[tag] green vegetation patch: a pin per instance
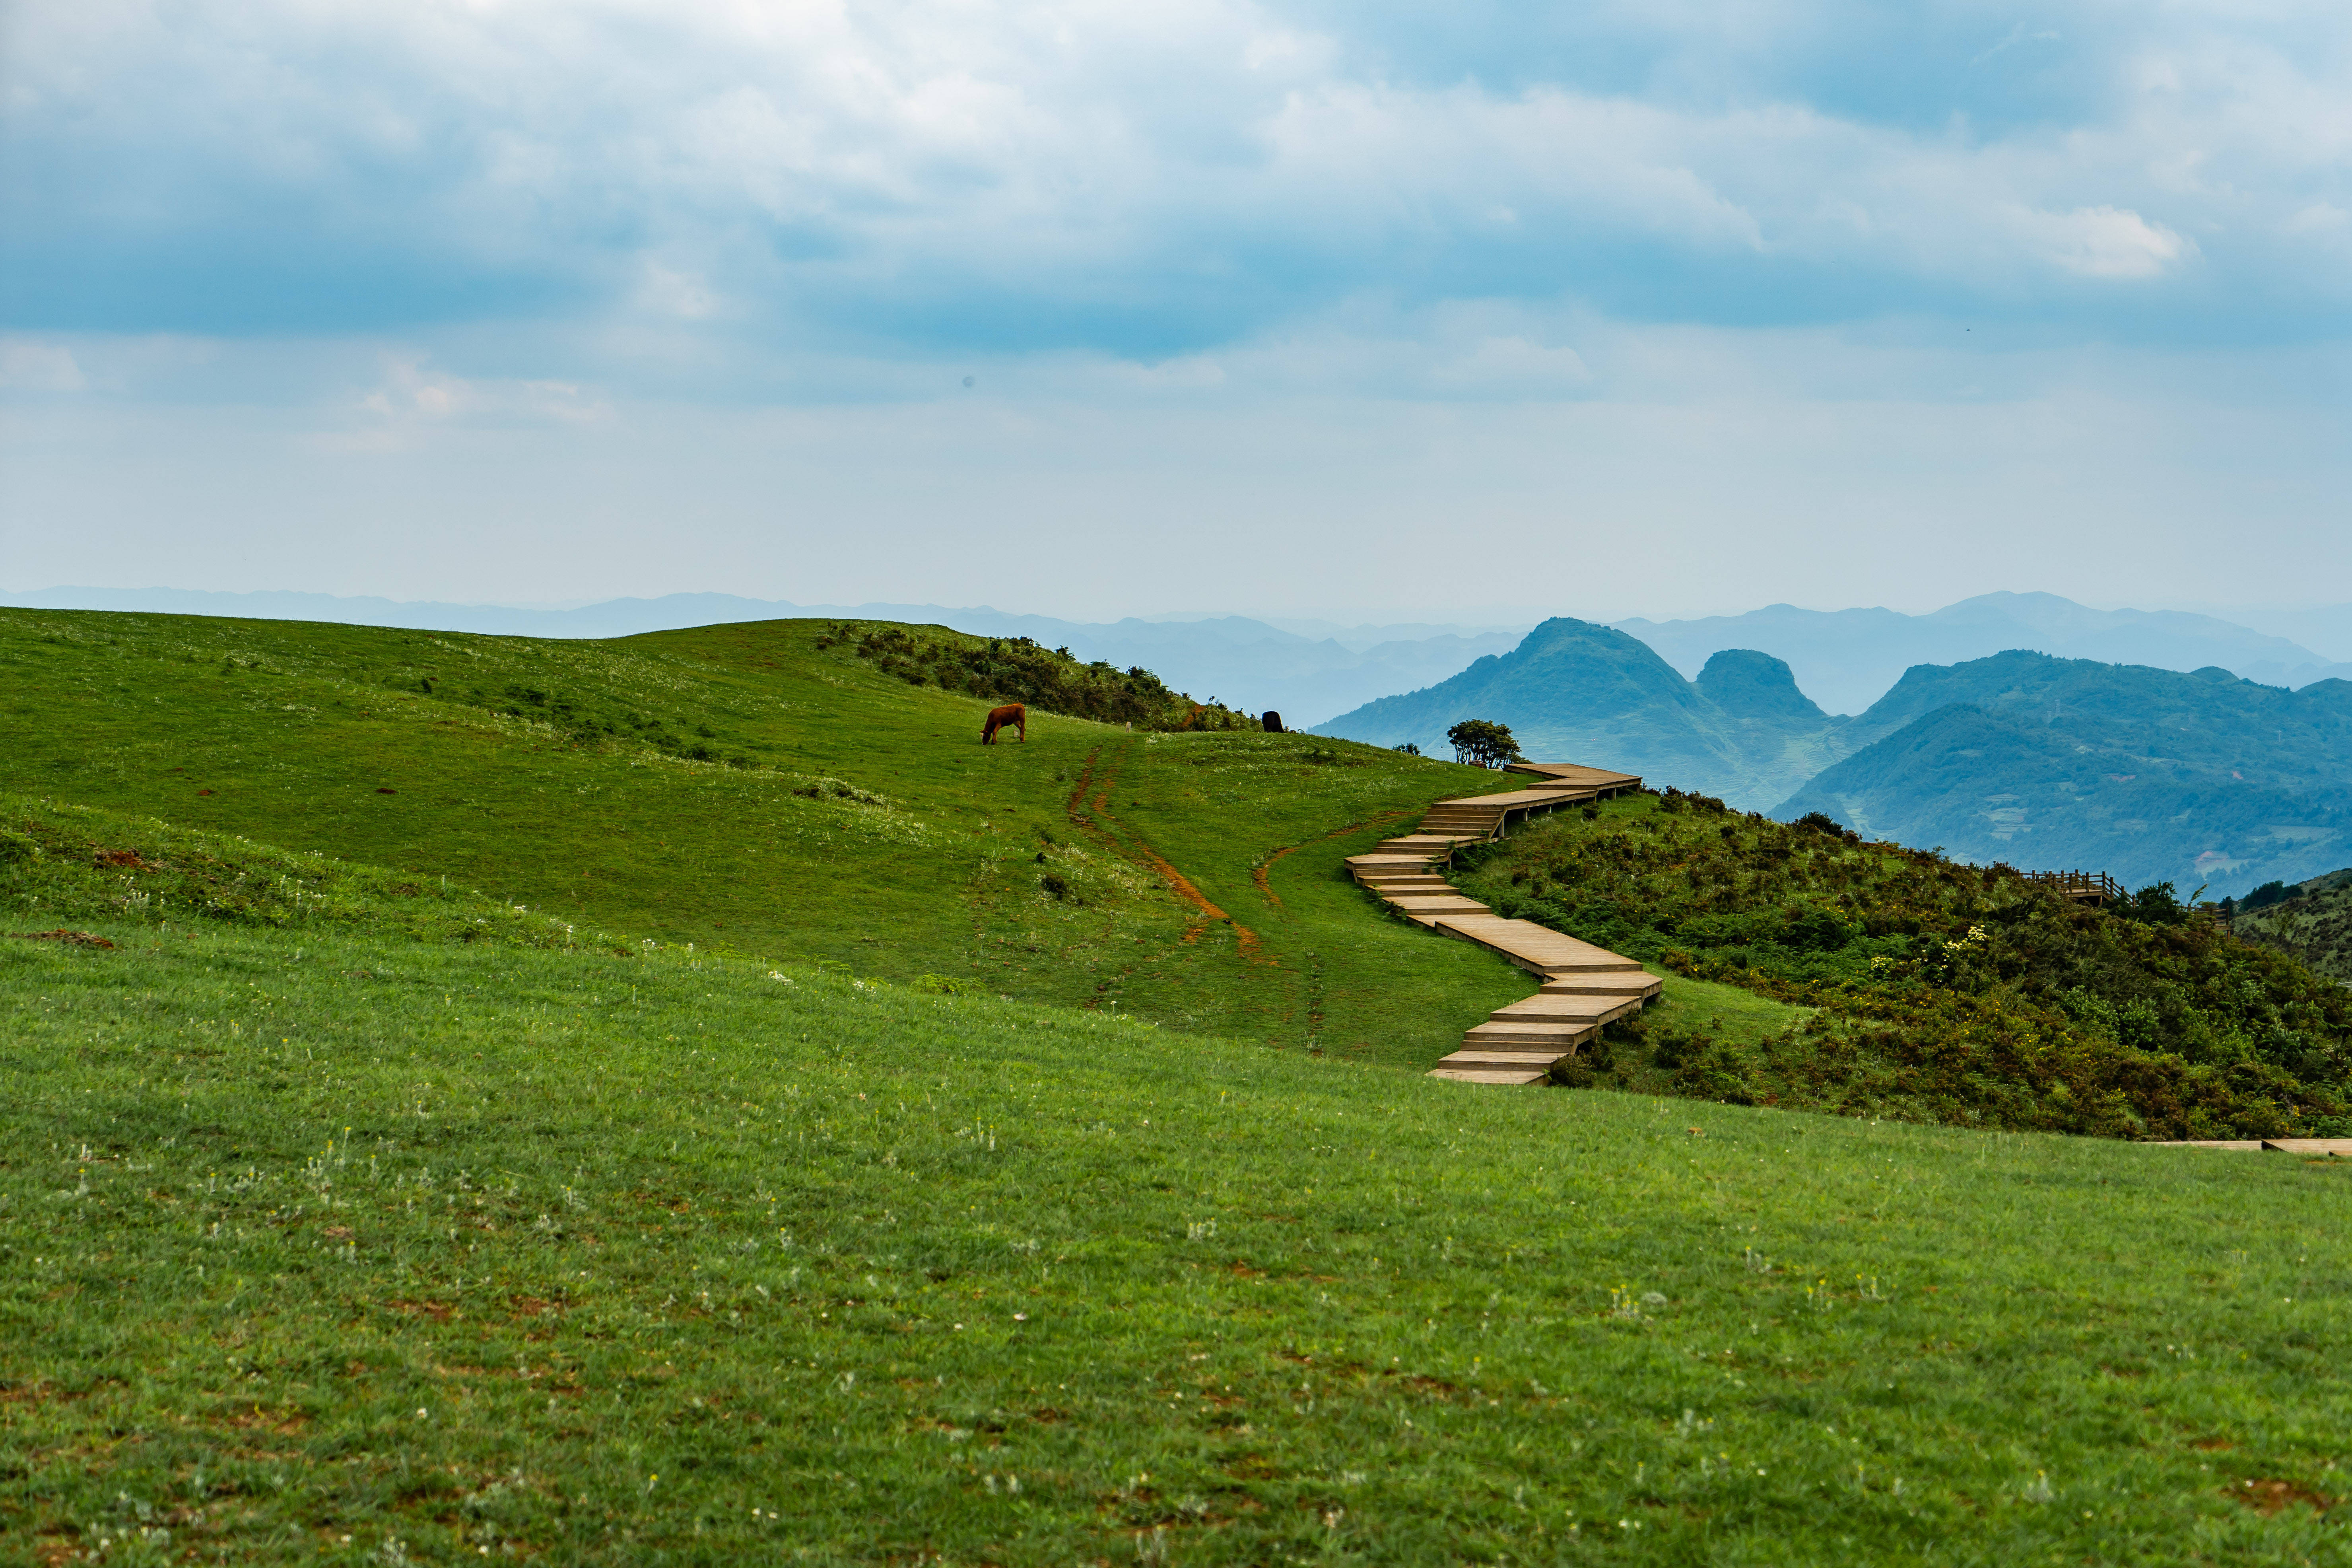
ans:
(2311, 922)
(1018, 669)
(65, 863)
(1941, 992)
(325, 1248)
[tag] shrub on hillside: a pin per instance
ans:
(1945, 992)
(1018, 669)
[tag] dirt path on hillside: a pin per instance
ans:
(1089, 810)
(1262, 872)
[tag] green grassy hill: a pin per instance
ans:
(836, 812)
(341, 1239)
(592, 1152)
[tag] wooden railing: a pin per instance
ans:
(2084, 886)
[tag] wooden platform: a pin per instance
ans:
(1574, 776)
(1546, 1007)
(1360, 864)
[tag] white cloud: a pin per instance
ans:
(30, 365)
(864, 166)
(1514, 367)
(411, 398)
(2105, 242)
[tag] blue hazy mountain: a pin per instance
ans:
(1577, 692)
(1846, 659)
(2148, 774)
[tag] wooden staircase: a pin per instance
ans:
(1583, 987)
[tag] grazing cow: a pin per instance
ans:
(1011, 716)
(1272, 723)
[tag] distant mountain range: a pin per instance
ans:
(1249, 664)
(1576, 692)
(2048, 763)
(2141, 752)
(1846, 659)
(2057, 763)
(1311, 671)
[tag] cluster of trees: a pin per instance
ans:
(1483, 743)
(1020, 670)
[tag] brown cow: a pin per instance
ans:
(1011, 716)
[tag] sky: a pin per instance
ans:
(1089, 310)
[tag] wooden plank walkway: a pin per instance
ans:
(1583, 987)
(2339, 1148)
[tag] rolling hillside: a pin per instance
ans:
(1304, 670)
(744, 790)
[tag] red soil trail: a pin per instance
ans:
(1095, 817)
(1260, 872)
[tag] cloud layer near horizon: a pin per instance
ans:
(380, 226)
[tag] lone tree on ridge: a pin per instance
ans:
(1484, 743)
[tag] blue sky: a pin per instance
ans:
(1096, 309)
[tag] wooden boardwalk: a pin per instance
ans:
(1583, 987)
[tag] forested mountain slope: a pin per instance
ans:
(2199, 779)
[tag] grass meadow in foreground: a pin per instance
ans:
(323, 1247)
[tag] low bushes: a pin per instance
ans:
(1946, 992)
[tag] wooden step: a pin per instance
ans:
(1581, 1010)
(1511, 800)
(1415, 863)
(1564, 1034)
(1500, 1060)
(1537, 948)
(1434, 903)
(1510, 1078)
(1618, 984)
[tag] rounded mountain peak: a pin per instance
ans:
(1748, 683)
